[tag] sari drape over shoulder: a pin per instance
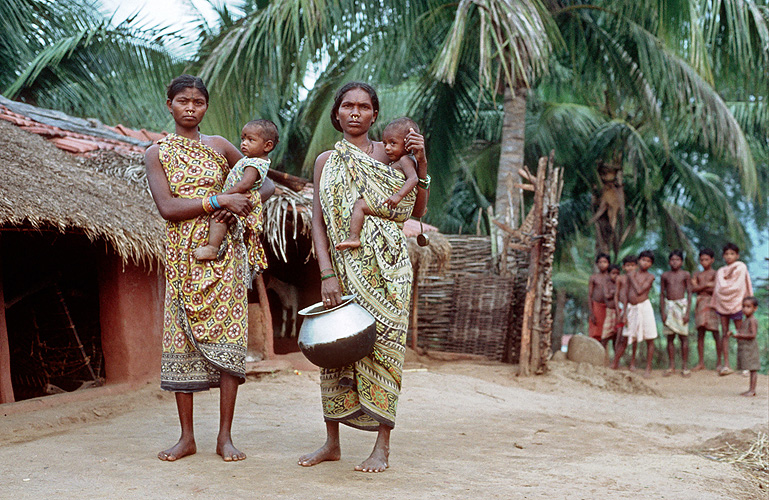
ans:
(732, 286)
(205, 319)
(379, 274)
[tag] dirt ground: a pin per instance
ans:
(465, 430)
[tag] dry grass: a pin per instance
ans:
(751, 455)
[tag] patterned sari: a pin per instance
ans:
(205, 320)
(379, 273)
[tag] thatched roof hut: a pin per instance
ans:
(42, 187)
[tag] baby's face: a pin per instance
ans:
(252, 144)
(394, 143)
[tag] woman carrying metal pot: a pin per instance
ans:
(365, 394)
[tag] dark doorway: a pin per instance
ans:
(51, 293)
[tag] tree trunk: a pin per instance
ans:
(559, 320)
(507, 206)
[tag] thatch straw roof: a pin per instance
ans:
(43, 187)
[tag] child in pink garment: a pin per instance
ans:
(732, 287)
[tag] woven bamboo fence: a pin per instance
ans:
(497, 307)
(466, 308)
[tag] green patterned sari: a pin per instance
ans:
(379, 273)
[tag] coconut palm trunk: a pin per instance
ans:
(508, 199)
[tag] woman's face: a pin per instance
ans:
(188, 107)
(356, 112)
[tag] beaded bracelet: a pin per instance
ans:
(424, 183)
(327, 276)
(207, 205)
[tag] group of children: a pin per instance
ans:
(621, 312)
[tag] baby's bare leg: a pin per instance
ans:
(216, 233)
(359, 212)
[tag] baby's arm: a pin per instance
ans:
(408, 167)
(244, 185)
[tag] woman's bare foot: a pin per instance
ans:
(348, 243)
(377, 462)
(207, 252)
(180, 450)
(228, 452)
(647, 373)
(326, 453)
(748, 393)
(698, 367)
(632, 367)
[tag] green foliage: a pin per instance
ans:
(68, 57)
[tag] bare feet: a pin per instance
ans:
(377, 462)
(725, 371)
(207, 252)
(228, 452)
(686, 373)
(748, 393)
(348, 243)
(647, 373)
(326, 453)
(698, 367)
(177, 451)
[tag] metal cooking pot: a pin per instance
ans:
(336, 337)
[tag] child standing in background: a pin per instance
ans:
(596, 291)
(705, 317)
(609, 332)
(732, 287)
(629, 265)
(747, 344)
(675, 302)
(639, 313)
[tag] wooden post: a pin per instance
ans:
(6, 388)
(264, 305)
(529, 331)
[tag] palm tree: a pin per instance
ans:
(68, 56)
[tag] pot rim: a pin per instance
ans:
(318, 308)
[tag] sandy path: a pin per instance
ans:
(464, 430)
